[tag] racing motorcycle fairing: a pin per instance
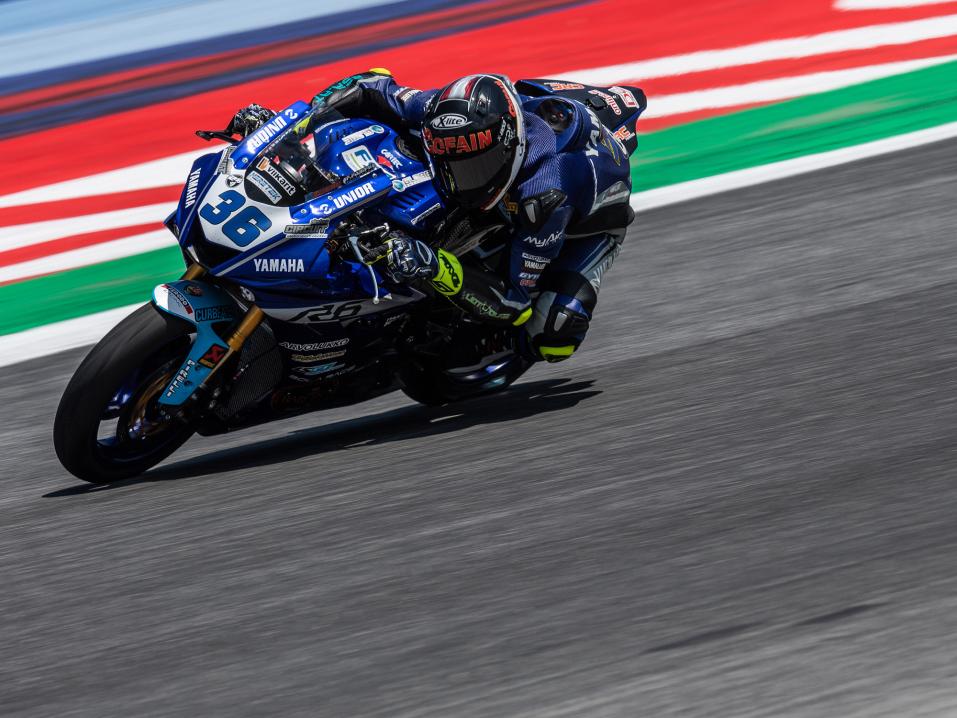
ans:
(264, 243)
(209, 309)
(286, 247)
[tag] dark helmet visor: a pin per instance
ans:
(478, 171)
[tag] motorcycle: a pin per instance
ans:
(278, 312)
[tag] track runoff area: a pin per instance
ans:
(731, 104)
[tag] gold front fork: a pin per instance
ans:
(247, 326)
(194, 271)
(243, 330)
(241, 333)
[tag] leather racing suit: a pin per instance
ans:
(566, 212)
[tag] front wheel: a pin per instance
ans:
(108, 425)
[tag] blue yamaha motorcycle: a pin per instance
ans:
(278, 313)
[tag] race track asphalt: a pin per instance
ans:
(740, 499)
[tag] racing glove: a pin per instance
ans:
(406, 258)
(249, 119)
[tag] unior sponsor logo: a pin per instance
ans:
(538, 266)
(279, 265)
(353, 195)
(268, 131)
(448, 121)
(331, 344)
(535, 257)
(192, 187)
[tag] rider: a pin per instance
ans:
(543, 162)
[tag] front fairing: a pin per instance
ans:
(278, 252)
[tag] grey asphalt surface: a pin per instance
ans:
(738, 500)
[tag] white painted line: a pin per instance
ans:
(665, 105)
(58, 337)
(61, 336)
(23, 235)
(862, 38)
(172, 170)
(103, 252)
(156, 173)
(695, 189)
(784, 88)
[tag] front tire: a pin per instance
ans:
(121, 379)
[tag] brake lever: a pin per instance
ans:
(217, 135)
(361, 256)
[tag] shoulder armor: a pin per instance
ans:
(535, 211)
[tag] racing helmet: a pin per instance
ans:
(474, 138)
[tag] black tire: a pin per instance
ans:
(146, 341)
(423, 385)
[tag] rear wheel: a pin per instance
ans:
(476, 360)
(109, 425)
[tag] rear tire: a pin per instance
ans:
(423, 385)
(142, 347)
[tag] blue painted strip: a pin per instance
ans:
(321, 25)
(34, 120)
(38, 36)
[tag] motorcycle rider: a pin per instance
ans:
(543, 162)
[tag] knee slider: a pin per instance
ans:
(561, 317)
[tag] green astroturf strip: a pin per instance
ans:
(87, 290)
(808, 125)
(818, 123)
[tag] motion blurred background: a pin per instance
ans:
(99, 100)
(736, 500)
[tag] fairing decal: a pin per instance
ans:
(202, 305)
